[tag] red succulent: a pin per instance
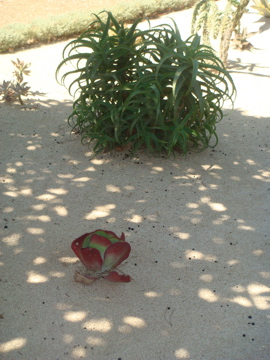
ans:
(101, 251)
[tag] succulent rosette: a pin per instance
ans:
(101, 251)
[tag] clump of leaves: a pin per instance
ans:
(240, 41)
(262, 6)
(144, 88)
(101, 251)
(13, 90)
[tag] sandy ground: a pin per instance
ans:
(198, 227)
(25, 11)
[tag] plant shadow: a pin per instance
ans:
(266, 24)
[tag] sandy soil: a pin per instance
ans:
(198, 228)
(13, 11)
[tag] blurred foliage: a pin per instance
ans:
(262, 6)
(213, 23)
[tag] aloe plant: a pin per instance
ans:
(101, 251)
(262, 6)
(144, 88)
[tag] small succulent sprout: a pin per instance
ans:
(13, 90)
(101, 251)
(21, 68)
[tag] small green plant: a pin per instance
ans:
(144, 88)
(262, 6)
(13, 90)
(215, 24)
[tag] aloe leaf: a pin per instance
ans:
(114, 21)
(132, 29)
(115, 254)
(198, 92)
(195, 41)
(106, 28)
(179, 79)
(263, 11)
(194, 75)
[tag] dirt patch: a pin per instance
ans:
(25, 11)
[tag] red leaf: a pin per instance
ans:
(110, 235)
(84, 279)
(122, 237)
(115, 254)
(89, 257)
(100, 243)
(92, 259)
(76, 245)
(115, 277)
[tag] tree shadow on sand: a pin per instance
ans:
(197, 227)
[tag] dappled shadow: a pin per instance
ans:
(235, 66)
(266, 24)
(197, 227)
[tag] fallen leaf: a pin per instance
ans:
(83, 279)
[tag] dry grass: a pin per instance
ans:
(58, 27)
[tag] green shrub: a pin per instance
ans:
(144, 88)
(13, 36)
